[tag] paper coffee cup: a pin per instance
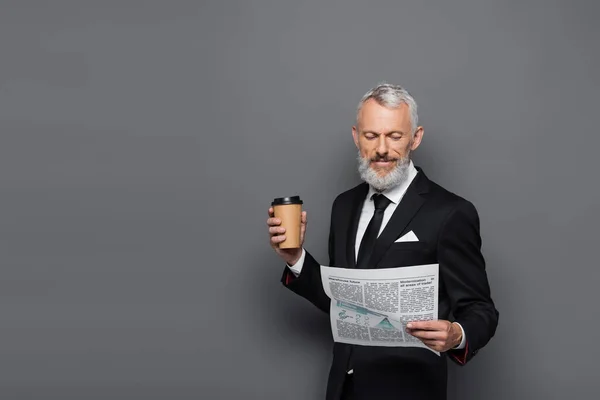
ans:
(289, 210)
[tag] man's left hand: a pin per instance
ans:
(439, 335)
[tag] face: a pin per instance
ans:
(383, 137)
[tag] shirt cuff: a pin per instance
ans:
(297, 267)
(463, 341)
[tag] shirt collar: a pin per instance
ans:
(395, 194)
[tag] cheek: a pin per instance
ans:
(402, 149)
(365, 148)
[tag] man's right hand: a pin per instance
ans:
(277, 234)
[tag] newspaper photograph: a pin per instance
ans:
(371, 307)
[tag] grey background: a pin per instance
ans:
(141, 144)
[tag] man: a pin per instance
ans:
(398, 199)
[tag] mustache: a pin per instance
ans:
(382, 158)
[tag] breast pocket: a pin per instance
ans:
(405, 254)
(404, 246)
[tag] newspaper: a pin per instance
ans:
(371, 307)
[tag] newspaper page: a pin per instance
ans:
(371, 307)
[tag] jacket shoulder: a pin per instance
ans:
(448, 199)
(350, 194)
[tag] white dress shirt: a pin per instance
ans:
(395, 194)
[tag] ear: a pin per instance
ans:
(416, 141)
(355, 136)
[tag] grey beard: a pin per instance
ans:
(395, 177)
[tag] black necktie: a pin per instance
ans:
(367, 243)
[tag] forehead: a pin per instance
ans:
(376, 117)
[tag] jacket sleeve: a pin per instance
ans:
(462, 268)
(308, 283)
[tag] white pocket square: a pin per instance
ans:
(409, 237)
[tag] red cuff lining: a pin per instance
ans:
(461, 358)
(289, 277)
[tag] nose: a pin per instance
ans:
(382, 146)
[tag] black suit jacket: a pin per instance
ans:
(448, 230)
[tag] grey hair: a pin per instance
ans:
(391, 96)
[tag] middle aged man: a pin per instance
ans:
(397, 199)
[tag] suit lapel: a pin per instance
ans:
(409, 205)
(355, 211)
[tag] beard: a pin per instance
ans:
(393, 178)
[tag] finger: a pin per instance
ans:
(427, 325)
(428, 335)
(273, 221)
(303, 226)
(271, 212)
(277, 239)
(276, 230)
(433, 344)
